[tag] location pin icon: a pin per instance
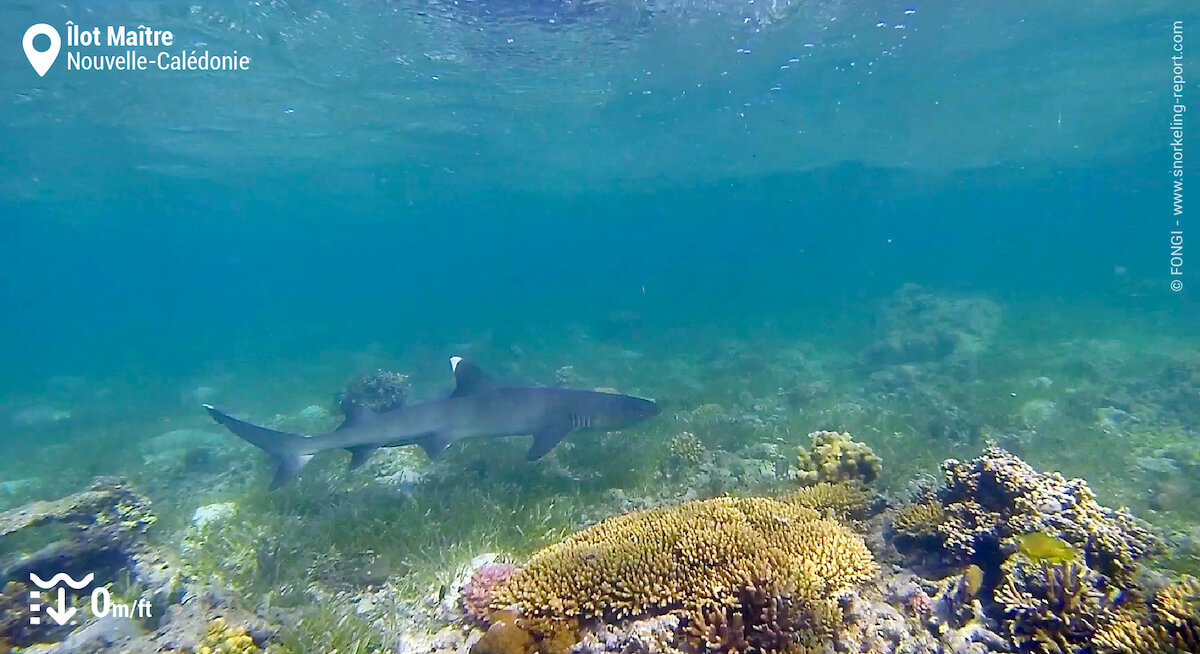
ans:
(41, 61)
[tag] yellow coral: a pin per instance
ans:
(224, 638)
(685, 558)
(765, 618)
(1179, 603)
(1050, 607)
(837, 457)
(1123, 633)
(685, 447)
(920, 520)
(842, 500)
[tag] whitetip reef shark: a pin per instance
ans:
(477, 408)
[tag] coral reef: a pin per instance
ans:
(1169, 623)
(382, 390)
(837, 457)
(988, 503)
(1049, 606)
(763, 616)
(1045, 561)
(689, 558)
(104, 529)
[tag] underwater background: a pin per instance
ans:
(931, 225)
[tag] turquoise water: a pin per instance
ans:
(710, 203)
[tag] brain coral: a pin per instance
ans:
(837, 457)
(688, 558)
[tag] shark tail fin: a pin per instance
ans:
(283, 447)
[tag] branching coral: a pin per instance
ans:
(1059, 566)
(837, 457)
(765, 616)
(688, 558)
(1051, 607)
(841, 501)
(920, 521)
(1168, 624)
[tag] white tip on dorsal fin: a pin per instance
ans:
(454, 361)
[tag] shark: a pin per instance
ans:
(478, 408)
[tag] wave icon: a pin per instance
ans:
(61, 577)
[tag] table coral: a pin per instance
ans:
(693, 558)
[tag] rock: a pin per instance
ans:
(213, 514)
(314, 412)
(107, 634)
(1037, 412)
(1113, 420)
(41, 414)
(185, 450)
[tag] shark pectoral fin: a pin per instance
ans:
(434, 444)
(545, 440)
(288, 468)
(360, 454)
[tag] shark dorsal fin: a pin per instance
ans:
(355, 413)
(468, 378)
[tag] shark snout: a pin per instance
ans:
(632, 410)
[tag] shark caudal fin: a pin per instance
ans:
(283, 447)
